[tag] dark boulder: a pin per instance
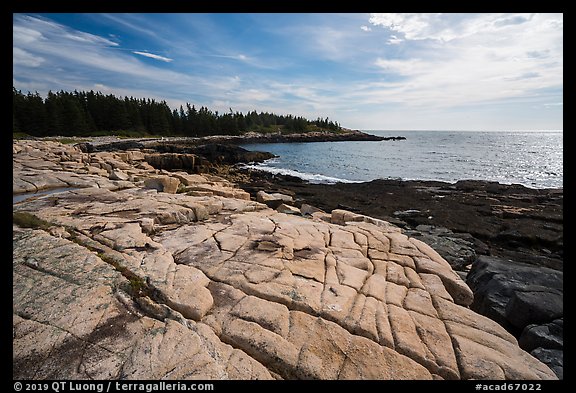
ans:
(495, 282)
(549, 335)
(457, 248)
(85, 147)
(527, 300)
(230, 154)
(538, 306)
(553, 358)
(117, 146)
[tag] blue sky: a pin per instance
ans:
(366, 71)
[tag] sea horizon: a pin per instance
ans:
(459, 130)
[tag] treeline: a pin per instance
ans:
(93, 113)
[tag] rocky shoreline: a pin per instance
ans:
(505, 241)
(109, 143)
(149, 273)
(509, 221)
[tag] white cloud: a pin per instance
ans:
(22, 35)
(402, 66)
(326, 41)
(432, 65)
(122, 19)
(68, 64)
(393, 40)
(252, 95)
(21, 57)
(476, 58)
(153, 56)
(446, 27)
(412, 26)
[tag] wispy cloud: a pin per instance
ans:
(239, 57)
(445, 27)
(393, 40)
(153, 56)
(23, 58)
(354, 68)
(65, 64)
(131, 22)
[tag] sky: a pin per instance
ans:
(426, 71)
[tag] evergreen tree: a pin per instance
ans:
(77, 113)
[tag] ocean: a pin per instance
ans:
(533, 159)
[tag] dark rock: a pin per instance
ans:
(346, 207)
(85, 147)
(351, 135)
(473, 185)
(496, 281)
(507, 221)
(553, 358)
(524, 255)
(288, 178)
(457, 249)
(215, 153)
(527, 307)
(549, 335)
(118, 146)
(230, 154)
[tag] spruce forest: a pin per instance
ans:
(93, 113)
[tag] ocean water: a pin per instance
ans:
(533, 159)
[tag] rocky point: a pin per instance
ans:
(134, 272)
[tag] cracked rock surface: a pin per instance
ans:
(125, 281)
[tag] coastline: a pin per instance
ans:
(504, 241)
(505, 220)
(113, 142)
(509, 221)
(191, 257)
